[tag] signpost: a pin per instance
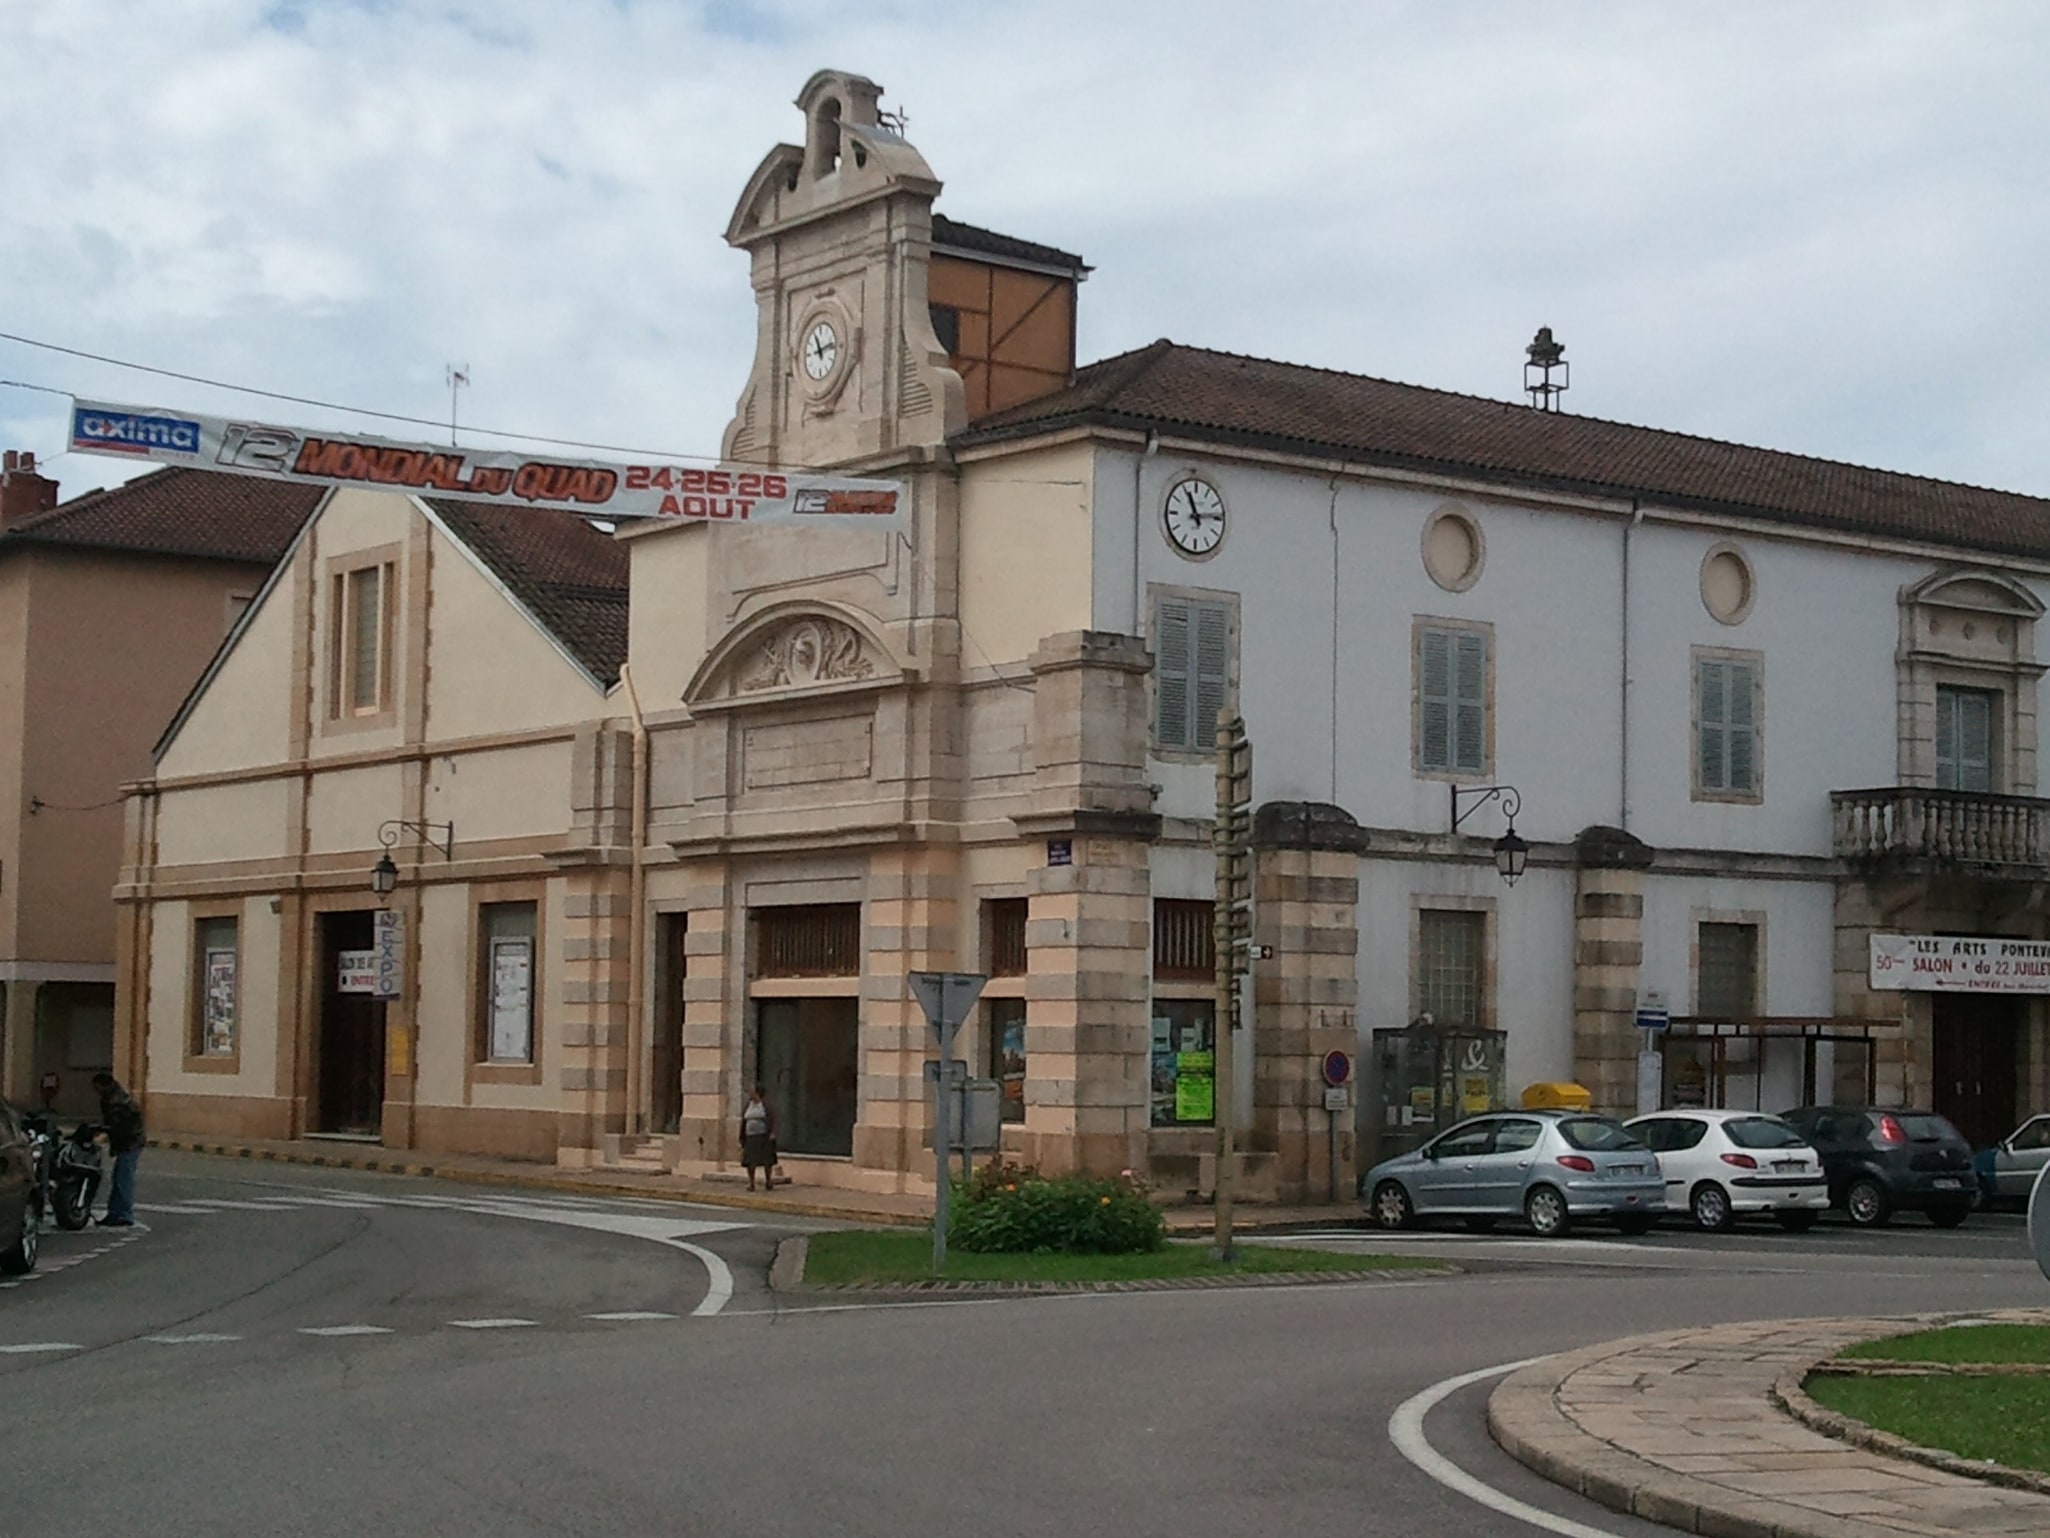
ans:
(1337, 1071)
(1652, 1017)
(946, 998)
(1231, 839)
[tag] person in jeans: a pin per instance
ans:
(122, 1118)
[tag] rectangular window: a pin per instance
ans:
(217, 958)
(507, 933)
(1005, 1019)
(359, 669)
(1449, 965)
(1191, 672)
(1184, 1085)
(1006, 919)
(808, 940)
(1726, 729)
(1452, 700)
(1184, 940)
(1964, 738)
(1726, 987)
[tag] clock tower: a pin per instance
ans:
(847, 366)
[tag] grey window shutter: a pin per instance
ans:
(1741, 697)
(1171, 675)
(1974, 740)
(1947, 710)
(1213, 670)
(1711, 688)
(1434, 699)
(1470, 681)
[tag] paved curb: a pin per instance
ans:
(1790, 1396)
(786, 1271)
(538, 1182)
(786, 1274)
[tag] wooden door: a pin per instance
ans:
(665, 1071)
(350, 1096)
(1972, 1063)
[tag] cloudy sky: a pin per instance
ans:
(1815, 226)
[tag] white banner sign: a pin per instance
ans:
(388, 946)
(1947, 964)
(358, 972)
(734, 495)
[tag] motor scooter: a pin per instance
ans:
(69, 1168)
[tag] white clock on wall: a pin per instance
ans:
(821, 350)
(1194, 517)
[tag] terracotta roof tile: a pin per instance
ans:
(570, 575)
(178, 512)
(1253, 402)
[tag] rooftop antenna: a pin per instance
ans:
(894, 121)
(1545, 356)
(458, 376)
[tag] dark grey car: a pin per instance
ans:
(1881, 1160)
(21, 1213)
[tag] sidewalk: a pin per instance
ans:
(862, 1208)
(1687, 1429)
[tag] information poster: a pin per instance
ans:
(218, 1034)
(1195, 1086)
(388, 943)
(512, 1000)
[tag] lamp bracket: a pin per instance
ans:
(436, 835)
(1508, 795)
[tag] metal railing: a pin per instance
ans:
(1953, 827)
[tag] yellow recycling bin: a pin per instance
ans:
(1557, 1097)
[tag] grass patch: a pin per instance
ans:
(2004, 1419)
(1963, 1343)
(859, 1255)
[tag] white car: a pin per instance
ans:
(1723, 1165)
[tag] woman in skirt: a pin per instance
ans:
(758, 1140)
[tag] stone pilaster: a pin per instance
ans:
(594, 1013)
(1608, 956)
(714, 1021)
(911, 928)
(1306, 906)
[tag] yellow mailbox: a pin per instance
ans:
(1557, 1097)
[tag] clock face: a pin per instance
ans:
(1195, 516)
(821, 350)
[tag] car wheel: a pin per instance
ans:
(1710, 1205)
(19, 1258)
(1634, 1225)
(1545, 1210)
(1795, 1222)
(1482, 1225)
(1392, 1206)
(1948, 1217)
(1867, 1205)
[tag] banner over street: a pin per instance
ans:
(740, 496)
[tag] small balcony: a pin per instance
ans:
(1942, 829)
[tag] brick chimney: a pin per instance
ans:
(22, 490)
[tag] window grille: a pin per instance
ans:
(1184, 944)
(1006, 936)
(808, 940)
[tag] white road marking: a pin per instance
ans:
(719, 1280)
(1406, 1431)
(201, 1339)
(492, 1324)
(345, 1329)
(629, 1316)
(185, 1208)
(39, 1345)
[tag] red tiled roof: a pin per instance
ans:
(572, 577)
(1252, 402)
(204, 514)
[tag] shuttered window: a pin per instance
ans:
(1726, 737)
(1452, 701)
(1726, 986)
(1964, 738)
(1191, 672)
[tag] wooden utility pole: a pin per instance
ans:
(1232, 840)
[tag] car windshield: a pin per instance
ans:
(1596, 1134)
(1927, 1129)
(1761, 1132)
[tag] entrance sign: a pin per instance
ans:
(1959, 964)
(736, 495)
(358, 972)
(946, 997)
(388, 944)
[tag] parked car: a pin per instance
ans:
(2007, 1171)
(1881, 1160)
(1723, 1165)
(1549, 1168)
(21, 1209)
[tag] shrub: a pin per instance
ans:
(1013, 1209)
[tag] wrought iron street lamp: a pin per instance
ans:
(384, 875)
(1512, 852)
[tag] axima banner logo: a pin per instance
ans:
(131, 432)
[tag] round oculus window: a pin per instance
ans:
(1727, 588)
(1453, 549)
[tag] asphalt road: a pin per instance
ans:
(188, 1381)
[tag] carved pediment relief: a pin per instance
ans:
(791, 651)
(1987, 592)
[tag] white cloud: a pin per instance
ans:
(1817, 226)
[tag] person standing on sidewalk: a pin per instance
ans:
(122, 1118)
(758, 1140)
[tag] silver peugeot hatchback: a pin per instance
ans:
(1548, 1168)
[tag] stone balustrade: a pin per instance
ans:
(1947, 827)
